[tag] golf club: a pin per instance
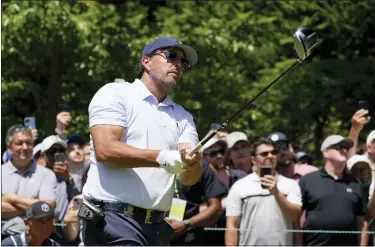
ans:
(305, 40)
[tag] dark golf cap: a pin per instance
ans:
(163, 42)
(38, 210)
(277, 136)
(75, 138)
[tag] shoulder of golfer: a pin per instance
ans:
(129, 128)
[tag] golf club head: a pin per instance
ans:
(304, 39)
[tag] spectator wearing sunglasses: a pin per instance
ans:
(226, 174)
(263, 206)
(333, 198)
(140, 140)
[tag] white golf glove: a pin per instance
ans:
(170, 160)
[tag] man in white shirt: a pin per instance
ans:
(140, 140)
(262, 206)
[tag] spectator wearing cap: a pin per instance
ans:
(75, 159)
(333, 198)
(39, 227)
(281, 142)
(238, 153)
(227, 176)
(202, 199)
(262, 206)
(23, 181)
(37, 155)
(54, 147)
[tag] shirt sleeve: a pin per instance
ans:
(47, 190)
(107, 106)
(294, 195)
(234, 201)
(189, 131)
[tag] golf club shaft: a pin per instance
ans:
(223, 125)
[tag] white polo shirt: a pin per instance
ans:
(149, 125)
(262, 221)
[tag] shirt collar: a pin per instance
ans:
(13, 169)
(144, 93)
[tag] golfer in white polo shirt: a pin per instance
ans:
(140, 140)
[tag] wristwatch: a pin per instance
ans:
(187, 225)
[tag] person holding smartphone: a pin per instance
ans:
(54, 153)
(264, 201)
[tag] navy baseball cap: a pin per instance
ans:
(277, 136)
(162, 42)
(75, 138)
(38, 210)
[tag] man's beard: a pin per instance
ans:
(162, 83)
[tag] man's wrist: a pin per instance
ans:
(187, 225)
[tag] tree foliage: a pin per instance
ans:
(63, 52)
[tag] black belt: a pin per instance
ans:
(148, 216)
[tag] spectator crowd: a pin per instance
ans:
(255, 193)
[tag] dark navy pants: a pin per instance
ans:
(119, 229)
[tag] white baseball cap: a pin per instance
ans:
(212, 142)
(234, 137)
(370, 137)
(49, 141)
(355, 159)
(37, 149)
(335, 139)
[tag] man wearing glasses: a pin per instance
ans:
(140, 141)
(333, 198)
(263, 204)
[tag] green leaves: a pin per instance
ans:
(57, 52)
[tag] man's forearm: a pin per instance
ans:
(190, 177)
(231, 237)
(23, 202)
(9, 211)
(120, 155)
(208, 217)
(363, 237)
(71, 230)
(353, 135)
(290, 210)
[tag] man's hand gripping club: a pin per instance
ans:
(175, 162)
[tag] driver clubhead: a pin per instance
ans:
(304, 39)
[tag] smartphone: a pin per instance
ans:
(265, 170)
(29, 122)
(77, 202)
(59, 157)
(363, 104)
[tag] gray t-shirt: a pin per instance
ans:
(262, 222)
(36, 182)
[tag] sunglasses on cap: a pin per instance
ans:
(173, 56)
(265, 154)
(339, 146)
(215, 153)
